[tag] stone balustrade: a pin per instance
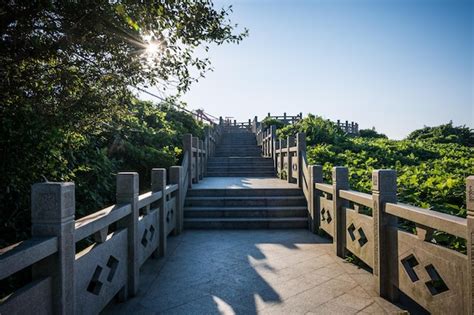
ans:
(79, 265)
(438, 278)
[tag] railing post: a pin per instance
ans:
(202, 159)
(384, 189)
(196, 159)
(301, 151)
(52, 214)
(175, 178)
(340, 180)
(188, 150)
(272, 140)
(158, 183)
(316, 176)
(280, 161)
(289, 144)
(470, 240)
(127, 193)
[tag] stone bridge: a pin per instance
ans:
(243, 226)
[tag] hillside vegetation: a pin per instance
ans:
(431, 163)
(137, 138)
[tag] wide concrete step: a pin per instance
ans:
(256, 192)
(239, 163)
(274, 201)
(245, 212)
(243, 167)
(238, 149)
(237, 155)
(241, 174)
(245, 223)
(239, 159)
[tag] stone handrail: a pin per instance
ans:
(79, 265)
(438, 278)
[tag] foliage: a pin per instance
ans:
(269, 121)
(371, 133)
(431, 171)
(317, 129)
(446, 133)
(67, 111)
(138, 138)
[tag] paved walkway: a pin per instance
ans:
(242, 183)
(253, 272)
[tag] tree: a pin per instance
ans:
(371, 133)
(67, 68)
(446, 133)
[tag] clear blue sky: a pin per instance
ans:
(394, 64)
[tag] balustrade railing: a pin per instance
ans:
(79, 265)
(438, 278)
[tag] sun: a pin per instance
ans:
(151, 48)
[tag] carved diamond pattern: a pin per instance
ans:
(435, 285)
(362, 240)
(326, 216)
(169, 215)
(95, 285)
(146, 238)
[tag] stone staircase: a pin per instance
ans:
(238, 155)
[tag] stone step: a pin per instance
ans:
(236, 164)
(273, 201)
(245, 212)
(239, 159)
(235, 155)
(256, 192)
(243, 167)
(240, 174)
(245, 223)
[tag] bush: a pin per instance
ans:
(137, 138)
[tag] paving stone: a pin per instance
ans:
(253, 272)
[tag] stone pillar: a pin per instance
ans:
(316, 176)
(196, 160)
(158, 183)
(52, 214)
(127, 193)
(272, 141)
(470, 241)
(188, 150)
(175, 179)
(300, 152)
(280, 161)
(340, 180)
(289, 143)
(202, 159)
(347, 127)
(221, 121)
(284, 118)
(384, 189)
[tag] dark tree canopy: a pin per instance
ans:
(71, 61)
(67, 111)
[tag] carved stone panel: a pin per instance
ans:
(294, 167)
(360, 236)
(434, 276)
(327, 216)
(285, 162)
(148, 235)
(100, 272)
(170, 215)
